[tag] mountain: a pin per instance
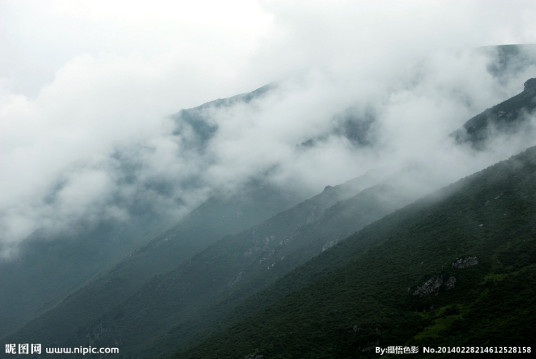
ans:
(353, 125)
(220, 276)
(218, 216)
(224, 252)
(105, 262)
(509, 61)
(196, 295)
(510, 116)
(504, 63)
(455, 268)
(196, 125)
(50, 267)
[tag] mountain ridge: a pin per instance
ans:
(506, 117)
(449, 257)
(160, 257)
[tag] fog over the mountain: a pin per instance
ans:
(88, 89)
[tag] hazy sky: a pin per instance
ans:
(80, 79)
(218, 48)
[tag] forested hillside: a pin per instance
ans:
(455, 268)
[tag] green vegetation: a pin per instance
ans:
(187, 303)
(455, 268)
(479, 231)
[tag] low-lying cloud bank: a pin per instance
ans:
(358, 87)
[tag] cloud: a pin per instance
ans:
(87, 88)
(208, 37)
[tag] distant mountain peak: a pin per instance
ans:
(508, 117)
(530, 85)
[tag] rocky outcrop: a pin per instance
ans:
(255, 355)
(451, 282)
(434, 285)
(462, 263)
(431, 286)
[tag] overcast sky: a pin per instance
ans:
(218, 48)
(81, 78)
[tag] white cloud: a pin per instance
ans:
(81, 80)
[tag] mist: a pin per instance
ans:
(90, 94)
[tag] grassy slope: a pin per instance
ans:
(359, 300)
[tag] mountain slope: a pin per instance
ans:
(49, 269)
(433, 274)
(114, 307)
(51, 266)
(507, 117)
(234, 267)
(218, 216)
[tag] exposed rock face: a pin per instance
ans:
(254, 356)
(434, 285)
(462, 263)
(451, 282)
(431, 286)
